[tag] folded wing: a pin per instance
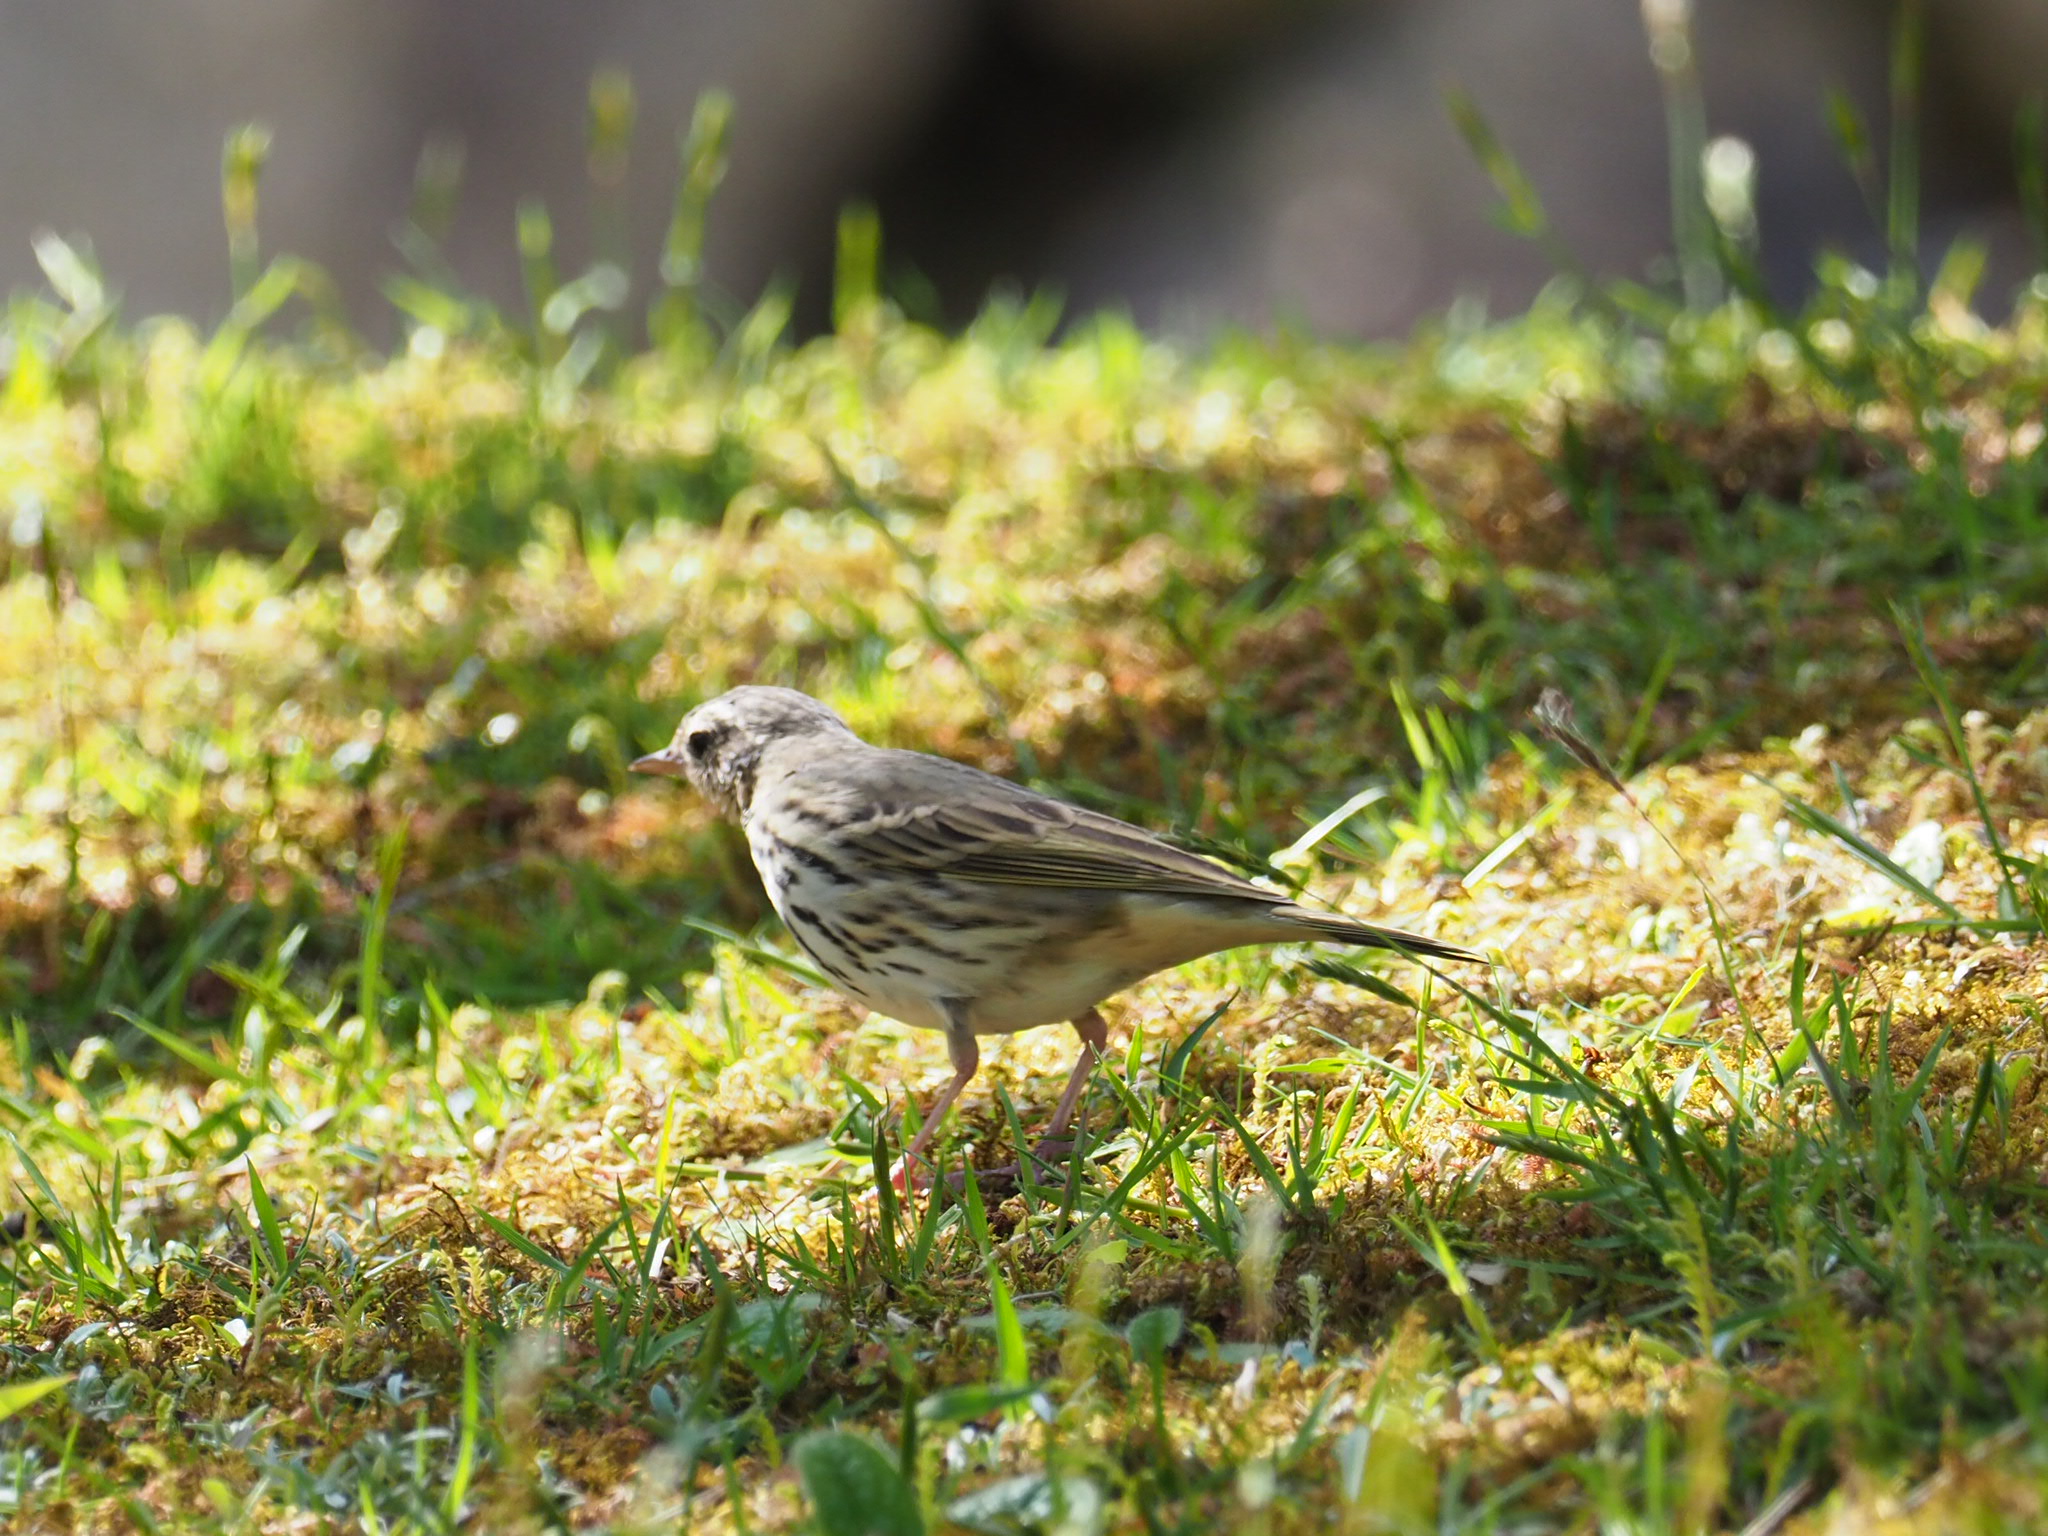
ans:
(1007, 835)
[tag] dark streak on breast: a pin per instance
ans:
(819, 864)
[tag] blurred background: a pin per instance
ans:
(1188, 160)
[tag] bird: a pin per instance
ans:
(951, 899)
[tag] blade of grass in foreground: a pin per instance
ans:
(1814, 819)
(1912, 628)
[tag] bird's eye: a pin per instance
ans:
(700, 744)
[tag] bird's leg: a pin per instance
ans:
(966, 1053)
(1094, 1035)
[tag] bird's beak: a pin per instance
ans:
(662, 762)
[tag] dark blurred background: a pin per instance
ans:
(1189, 160)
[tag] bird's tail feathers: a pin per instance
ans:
(1345, 930)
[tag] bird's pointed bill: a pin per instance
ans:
(659, 762)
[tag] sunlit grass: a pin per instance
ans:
(415, 1125)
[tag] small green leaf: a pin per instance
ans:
(1152, 1333)
(17, 1395)
(854, 1488)
(956, 1405)
(1013, 1355)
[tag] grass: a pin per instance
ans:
(419, 1125)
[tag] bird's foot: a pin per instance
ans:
(1055, 1149)
(1048, 1161)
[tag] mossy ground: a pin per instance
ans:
(425, 1127)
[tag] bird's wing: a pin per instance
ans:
(1002, 833)
(929, 816)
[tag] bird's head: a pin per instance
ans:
(720, 744)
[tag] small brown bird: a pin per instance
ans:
(953, 900)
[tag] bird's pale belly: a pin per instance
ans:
(1021, 995)
(1009, 965)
